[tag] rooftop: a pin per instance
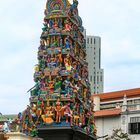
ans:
(115, 95)
(109, 112)
(4, 118)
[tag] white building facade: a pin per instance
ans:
(118, 110)
(96, 74)
(128, 121)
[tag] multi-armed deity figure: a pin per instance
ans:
(61, 95)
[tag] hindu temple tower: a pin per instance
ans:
(60, 105)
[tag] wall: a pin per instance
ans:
(20, 136)
(105, 125)
(96, 74)
(134, 137)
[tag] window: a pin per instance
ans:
(134, 125)
(94, 80)
(87, 40)
(137, 101)
(99, 58)
(90, 78)
(108, 106)
(94, 41)
(134, 128)
(91, 41)
(97, 79)
(101, 78)
(135, 119)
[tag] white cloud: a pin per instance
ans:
(116, 21)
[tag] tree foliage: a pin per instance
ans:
(118, 135)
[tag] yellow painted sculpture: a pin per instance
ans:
(58, 110)
(48, 114)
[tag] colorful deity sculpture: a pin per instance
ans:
(58, 110)
(67, 63)
(51, 86)
(40, 106)
(57, 85)
(61, 95)
(67, 27)
(34, 132)
(55, 24)
(85, 93)
(60, 23)
(68, 113)
(50, 23)
(48, 114)
(59, 56)
(34, 113)
(18, 121)
(45, 26)
(67, 45)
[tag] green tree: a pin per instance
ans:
(118, 135)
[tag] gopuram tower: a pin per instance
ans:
(60, 105)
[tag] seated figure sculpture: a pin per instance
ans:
(67, 27)
(48, 114)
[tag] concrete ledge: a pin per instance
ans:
(19, 136)
(63, 133)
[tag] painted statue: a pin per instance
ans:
(50, 23)
(68, 113)
(67, 45)
(57, 85)
(58, 110)
(48, 114)
(60, 23)
(67, 27)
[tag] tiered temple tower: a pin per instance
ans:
(60, 99)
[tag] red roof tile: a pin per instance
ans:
(109, 112)
(130, 93)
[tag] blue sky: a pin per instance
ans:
(117, 22)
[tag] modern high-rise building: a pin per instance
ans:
(96, 73)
